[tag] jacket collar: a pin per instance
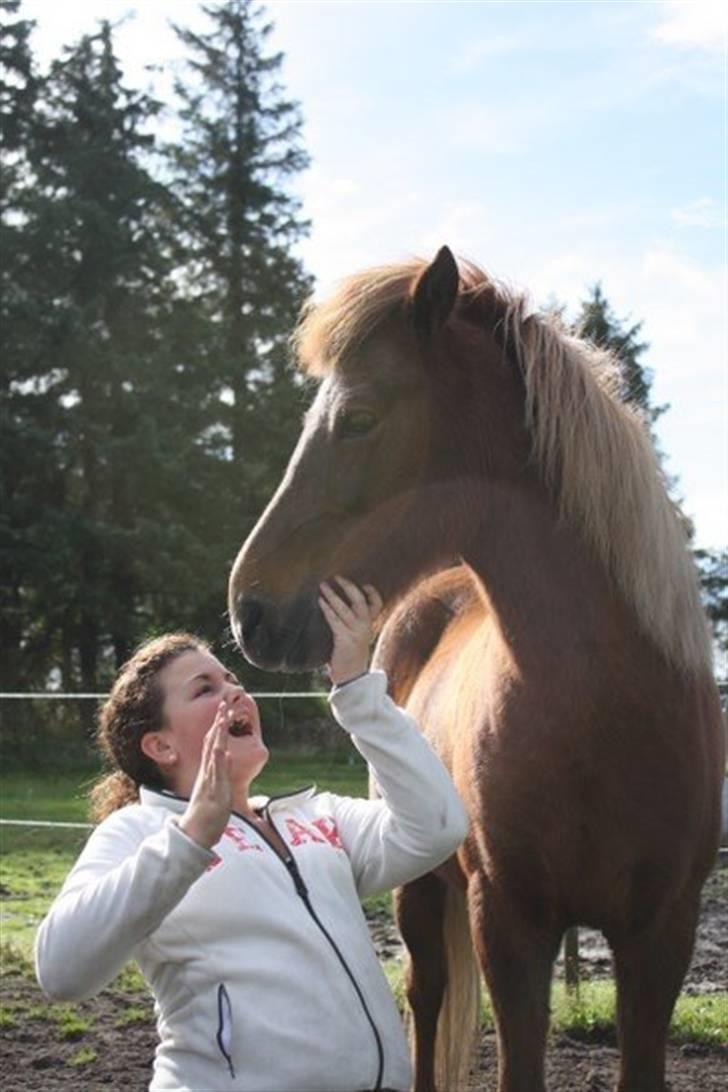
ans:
(163, 798)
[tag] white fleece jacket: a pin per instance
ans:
(262, 969)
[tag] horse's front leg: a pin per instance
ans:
(650, 965)
(420, 909)
(517, 961)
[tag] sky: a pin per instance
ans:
(555, 143)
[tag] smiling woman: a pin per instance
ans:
(243, 912)
(199, 691)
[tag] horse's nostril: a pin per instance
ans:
(249, 614)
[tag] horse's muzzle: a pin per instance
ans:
(291, 638)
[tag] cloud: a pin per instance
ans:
(473, 53)
(704, 212)
(485, 129)
(347, 222)
(698, 23)
(464, 225)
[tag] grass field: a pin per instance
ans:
(62, 797)
(34, 862)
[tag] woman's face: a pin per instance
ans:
(194, 684)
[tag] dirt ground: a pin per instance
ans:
(34, 1057)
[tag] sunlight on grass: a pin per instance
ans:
(130, 980)
(14, 960)
(30, 879)
(83, 1057)
(381, 903)
(587, 1012)
(7, 1017)
(590, 1013)
(135, 1014)
(69, 1023)
(393, 973)
(57, 797)
(345, 774)
(702, 1017)
(63, 797)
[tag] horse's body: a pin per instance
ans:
(558, 661)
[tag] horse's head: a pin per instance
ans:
(377, 487)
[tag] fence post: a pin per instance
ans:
(571, 958)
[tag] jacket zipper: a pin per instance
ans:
(302, 892)
(224, 1027)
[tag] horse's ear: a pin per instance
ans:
(434, 294)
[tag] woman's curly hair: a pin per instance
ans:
(133, 708)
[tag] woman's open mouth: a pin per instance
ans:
(240, 728)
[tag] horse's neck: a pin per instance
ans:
(547, 594)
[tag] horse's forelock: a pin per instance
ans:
(330, 330)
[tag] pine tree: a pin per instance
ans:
(98, 384)
(597, 322)
(240, 147)
(18, 83)
(144, 342)
(101, 220)
(713, 569)
(21, 462)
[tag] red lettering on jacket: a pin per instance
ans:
(214, 862)
(240, 840)
(300, 834)
(327, 826)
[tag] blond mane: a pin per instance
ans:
(594, 451)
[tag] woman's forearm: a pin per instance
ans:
(421, 820)
(115, 896)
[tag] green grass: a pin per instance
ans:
(7, 1017)
(69, 1023)
(13, 960)
(58, 798)
(135, 1014)
(83, 1057)
(702, 1018)
(30, 877)
(131, 980)
(63, 797)
(590, 1013)
(345, 774)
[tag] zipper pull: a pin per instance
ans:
(297, 877)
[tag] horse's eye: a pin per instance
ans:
(355, 423)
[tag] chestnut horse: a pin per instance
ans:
(476, 464)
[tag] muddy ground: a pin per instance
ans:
(115, 1054)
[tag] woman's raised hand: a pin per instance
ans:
(351, 625)
(208, 811)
